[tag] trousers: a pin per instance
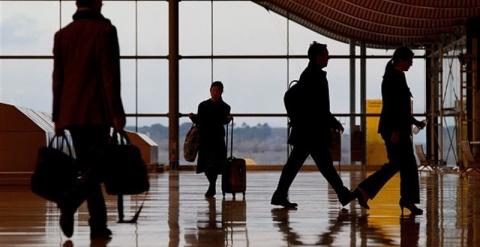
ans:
(85, 138)
(401, 159)
(323, 160)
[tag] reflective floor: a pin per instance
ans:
(177, 214)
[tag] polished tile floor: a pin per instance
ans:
(177, 214)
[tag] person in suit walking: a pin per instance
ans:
(211, 117)
(86, 100)
(308, 107)
(395, 127)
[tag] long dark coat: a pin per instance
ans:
(396, 112)
(308, 107)
(86, 73)
(211, 118)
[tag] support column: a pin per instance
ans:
(352, 85)
(431, 97)
(173, 102)
(363, 99)
(473, 89)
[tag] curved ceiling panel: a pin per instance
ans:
(380, 23)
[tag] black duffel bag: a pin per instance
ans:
(123, 170)
(56, 176)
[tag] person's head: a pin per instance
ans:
(95, 5)
(216, 90)
(402, 58)
(318, 54)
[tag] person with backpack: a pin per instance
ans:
(308, 108)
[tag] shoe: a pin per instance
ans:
(66, 220)
(282, 201)
(362, 197)
(100, 233)
(210, 192)
(411, 206)
(345, 197)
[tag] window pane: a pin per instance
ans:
(33, 89)
(195, 28)
(27, 27)
(195, 80)
(253, 85)
(152, 28)
(246, 28)
(152, 86)
(128, 87)
(261, 143)
(122, 16)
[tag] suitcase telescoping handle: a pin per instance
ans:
(230, 139)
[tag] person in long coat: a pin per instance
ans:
(395, 127)
(211, 117)
(86, 100)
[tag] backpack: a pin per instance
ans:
(290, 96)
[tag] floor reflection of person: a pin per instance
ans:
(409, 231)
(209, 230)
(280, 217)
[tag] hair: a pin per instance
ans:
(401, 53)
(86, 3)
(217, 84)
(316, 49)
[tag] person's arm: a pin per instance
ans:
(57, 82)
(228, 117)
(110, 67)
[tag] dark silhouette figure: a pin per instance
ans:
(395, 127)
(409, 231)
(86, 100)
(211, 117)
(281, 219)
(308, 107)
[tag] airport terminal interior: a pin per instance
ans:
(170, 53)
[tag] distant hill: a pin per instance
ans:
(261, 143)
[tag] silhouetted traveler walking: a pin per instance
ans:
(86, 100)
(308, 107)
(211, 117)
(395, 127)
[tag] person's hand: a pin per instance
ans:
(395, 137)
(119, 124)
(421, 124)
(340, 128)
(191, 115)
(229, 118)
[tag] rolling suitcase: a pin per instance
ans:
(234, 174)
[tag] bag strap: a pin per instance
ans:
(61, 140)
(119, 138)
(121, 215)
(230, 139)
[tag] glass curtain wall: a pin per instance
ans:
(253, 51)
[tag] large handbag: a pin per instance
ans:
(124, 170)
(191, 144)
(56, 176)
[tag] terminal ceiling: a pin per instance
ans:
(381, 23)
